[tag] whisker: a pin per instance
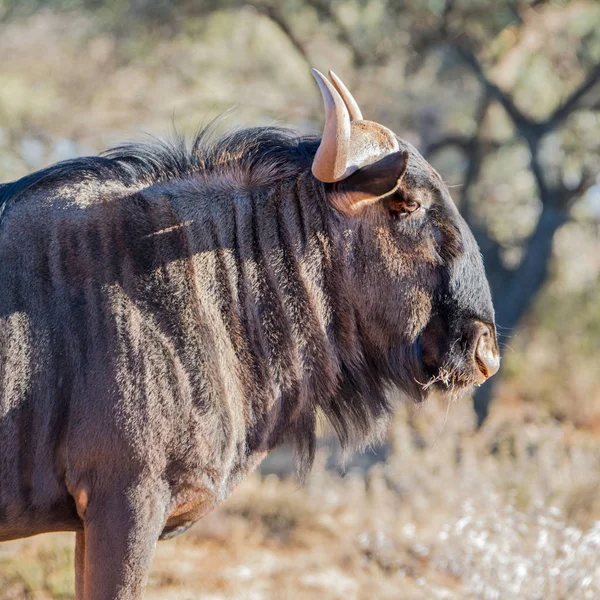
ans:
(429, 383)
(437, 437)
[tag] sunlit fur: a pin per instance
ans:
(182, 311)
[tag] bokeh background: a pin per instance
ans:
(495, 497)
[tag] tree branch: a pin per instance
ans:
(571, 103)
(522, 122)
(274, 14)
(326, 13)
(531, 131)
(566, 196)
(462, 142)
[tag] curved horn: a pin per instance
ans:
(347, 97)
(330, 161)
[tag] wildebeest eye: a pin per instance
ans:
(403, 206)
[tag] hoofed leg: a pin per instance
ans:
(122, 526)
(79, 564)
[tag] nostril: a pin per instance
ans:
(486, 355)
(482, 366)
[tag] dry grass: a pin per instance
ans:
(507, 513)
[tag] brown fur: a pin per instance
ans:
(167, 317)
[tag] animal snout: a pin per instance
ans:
(486, 357)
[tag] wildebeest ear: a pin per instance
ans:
(369, 184)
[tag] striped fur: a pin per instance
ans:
(178, 313)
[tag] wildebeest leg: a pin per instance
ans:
(121, 530)
(79, 564)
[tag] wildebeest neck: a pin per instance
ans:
(268, 276)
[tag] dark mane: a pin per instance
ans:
(257, 151)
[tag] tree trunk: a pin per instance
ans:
(514, 291)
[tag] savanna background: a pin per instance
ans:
(495, 497)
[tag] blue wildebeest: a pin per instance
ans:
(169, 315)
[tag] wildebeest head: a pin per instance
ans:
(420, 280)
